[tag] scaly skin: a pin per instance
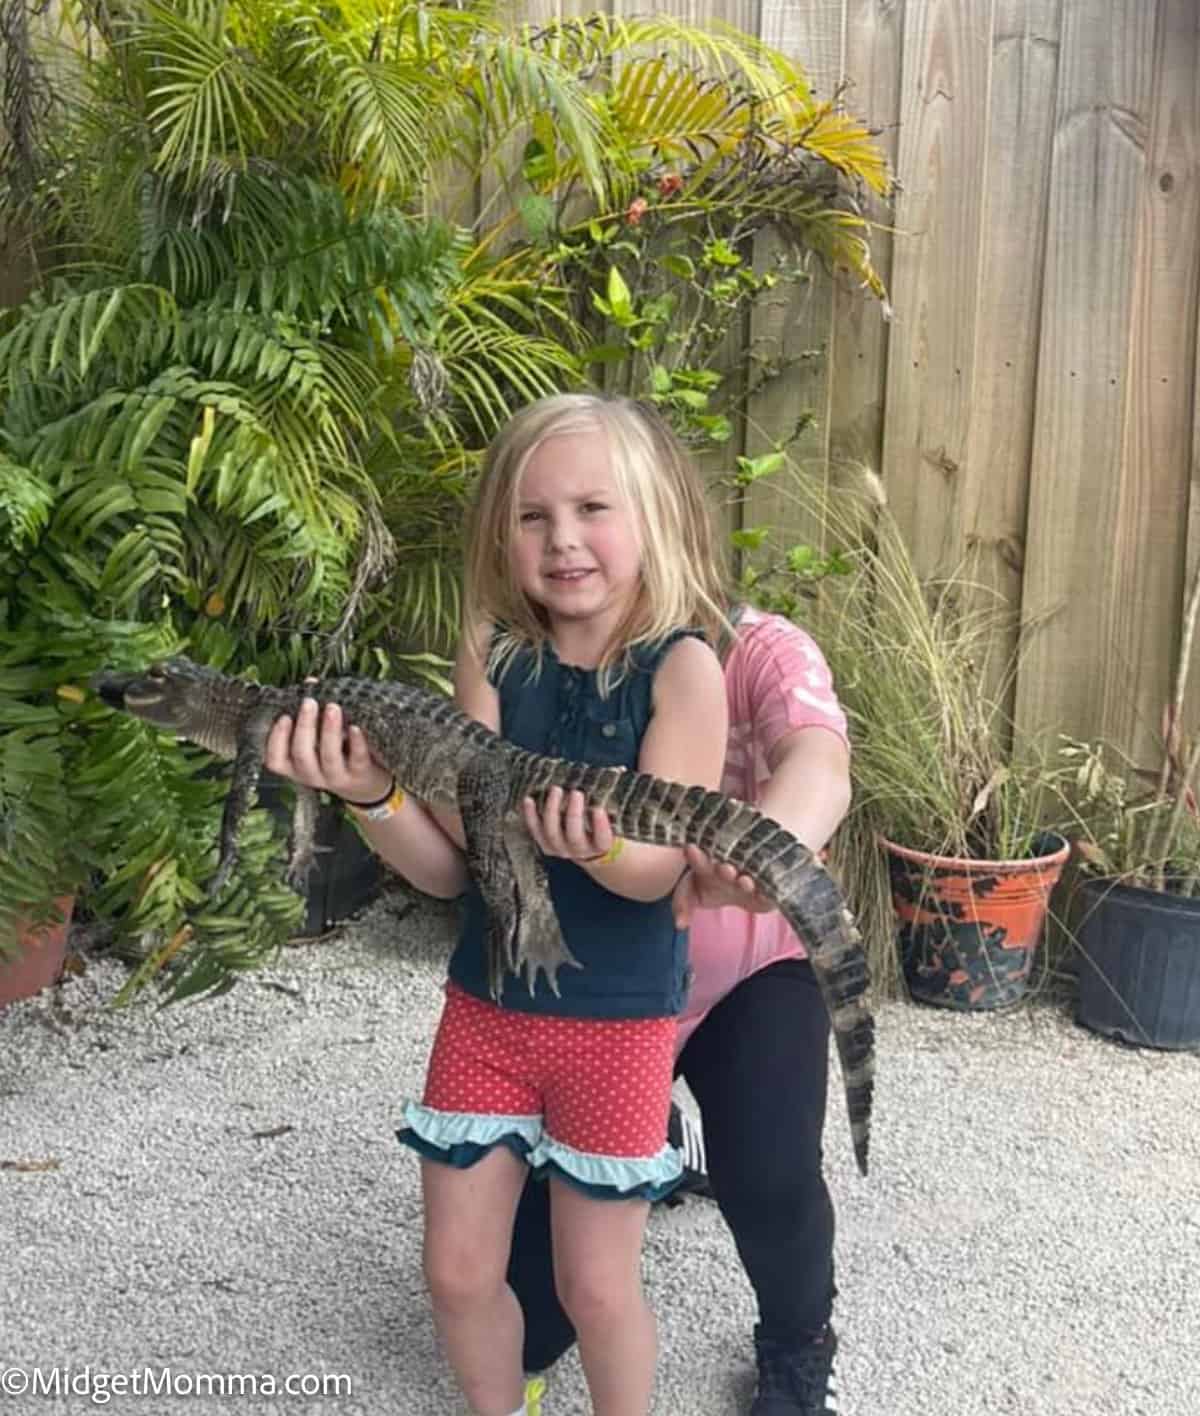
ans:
(443, 757)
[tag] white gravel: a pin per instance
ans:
(213, 1190)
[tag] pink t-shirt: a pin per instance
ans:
(776, 680)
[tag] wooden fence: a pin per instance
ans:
(1032, 405)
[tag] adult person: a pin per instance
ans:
(753, 1038)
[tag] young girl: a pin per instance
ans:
(589, 574)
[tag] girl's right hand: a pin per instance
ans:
(318, 751)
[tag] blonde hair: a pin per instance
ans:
(682, 583)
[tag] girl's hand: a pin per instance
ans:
(568, 827)
(707, 885)
(318, 751)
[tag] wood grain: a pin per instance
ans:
(995, 471)
(858, 362)
(796, 323)
(1077, 570)
(937, 269)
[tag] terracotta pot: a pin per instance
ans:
(967, 929)
(38, 961)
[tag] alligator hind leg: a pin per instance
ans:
(539, 944)
(523, 930)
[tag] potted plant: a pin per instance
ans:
(945, 800)
(1136, 921)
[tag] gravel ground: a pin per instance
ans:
(215, 1189)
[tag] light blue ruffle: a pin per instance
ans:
(446, 1129)
(650, 1177)
(460, 1138)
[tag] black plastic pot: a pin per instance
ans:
(1139, 978)
(346, 875)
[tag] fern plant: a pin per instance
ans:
(254, 374)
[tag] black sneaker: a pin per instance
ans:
(686, 1136)
(796, 1380)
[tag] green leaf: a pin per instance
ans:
(620, 301)
(682, 266)
(720, 252)
(537, 216)
(750, 469)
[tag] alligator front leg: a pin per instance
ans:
(247, 769)
(523, 930)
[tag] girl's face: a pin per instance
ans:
(576, 550)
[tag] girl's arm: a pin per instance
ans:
(316, 751)
(685, 742)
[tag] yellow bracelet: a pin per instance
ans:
(609, 855)
(383, 811)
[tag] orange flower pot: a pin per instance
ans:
(967, 929)
(38, 961)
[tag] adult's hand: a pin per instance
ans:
(707, 885)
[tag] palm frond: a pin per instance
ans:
(209, 99)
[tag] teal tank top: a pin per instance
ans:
(634, 959)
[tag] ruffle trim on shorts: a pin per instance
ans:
(460, 1138)
(609, 1177)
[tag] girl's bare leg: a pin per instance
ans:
(598, 1273)
(468, 1232)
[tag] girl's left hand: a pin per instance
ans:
(567, 827)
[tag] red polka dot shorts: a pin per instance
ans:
(587, 1098)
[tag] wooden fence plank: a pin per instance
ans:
(797, 324)
(1192, 550)
(1075, 577)
(994, 478)
(936, 271)
(1150, 547)
(858, 360)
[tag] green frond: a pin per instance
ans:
(493, 371)
(217, 101)
(385, 126)
(677, 113)
(509, 81)
(717, 47)
(69, 334)
(26, 502)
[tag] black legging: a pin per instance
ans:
(757, 1066)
